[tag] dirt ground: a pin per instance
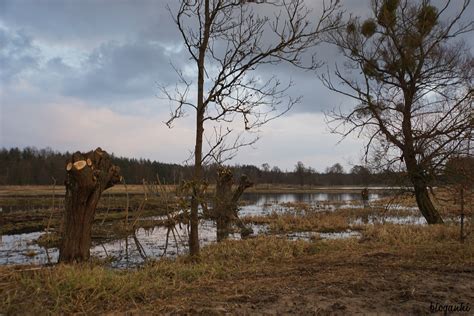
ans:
(372, 283)
(379, 274)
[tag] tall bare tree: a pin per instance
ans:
(302, 173)
(414, 87)
(227, 40)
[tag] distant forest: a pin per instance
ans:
(41, 166)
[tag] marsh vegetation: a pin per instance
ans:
(330, 255)
(395, 235)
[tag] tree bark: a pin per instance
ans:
(222, 208)
(226, 202)
(420, 186)
(200, 110)
(415, 171)
(424, 203)
(88, 175)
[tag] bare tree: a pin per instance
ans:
(300, 172)
(337, 168)
(227, 41)
(265, 167)
(414, 87)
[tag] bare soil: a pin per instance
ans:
(374, 282)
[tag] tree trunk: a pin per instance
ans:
(200, 110)
(226, 202)
(424, 203)
(415, 171)
(423, 200)
(88, 175)
(223, 229)
(222, 208)
(197, 179)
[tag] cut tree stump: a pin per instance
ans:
(88, 175)
(226, 202)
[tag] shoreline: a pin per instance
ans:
(47, 190)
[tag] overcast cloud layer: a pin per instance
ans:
(80, 74)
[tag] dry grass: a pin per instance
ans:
(303, 217)
(252, 271)
(291, 222)
(93, 288)
(401, 265)
(32, 190)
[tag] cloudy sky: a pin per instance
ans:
(75, 75)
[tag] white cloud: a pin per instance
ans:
(84, 75)
(301, 137)
(71, 125)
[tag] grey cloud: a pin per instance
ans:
(115, 70)
(125, 41)
(56, 65)
(89, 21)
(315, 96)
(17, 54)
(127, 70)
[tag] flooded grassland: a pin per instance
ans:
(309, 252)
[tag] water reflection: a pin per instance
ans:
(22, 248)
(401, 220)
(267, 203)
(161, 241)
(266, 198)
(315, 235)
(128, 252)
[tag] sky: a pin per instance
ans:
(75, 75)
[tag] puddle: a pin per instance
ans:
(151, 243)
(124, 253)
(341, 235)
(22, 249)
(134, 250)
(267, 203)
(315, 235)
(402, 220)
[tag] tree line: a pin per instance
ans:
(32, 166)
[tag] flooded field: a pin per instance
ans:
(132, 251)
(153, 243)
(266, 203)
(306, 248)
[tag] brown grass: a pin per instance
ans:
(289, 222)
(406, 263)
(31, 190)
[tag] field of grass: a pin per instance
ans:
(41, 190)
(400, 269)
(391, 269)
(37, 207)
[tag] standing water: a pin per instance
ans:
(151, 243)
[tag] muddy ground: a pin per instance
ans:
(371, 284)
(366, 282)
(390, 270)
